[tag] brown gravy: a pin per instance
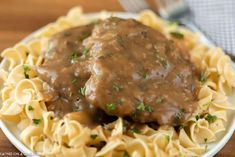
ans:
(119, 68)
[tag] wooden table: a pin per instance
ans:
(18, 18)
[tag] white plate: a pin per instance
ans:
(10, 130)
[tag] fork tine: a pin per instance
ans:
(134, 5)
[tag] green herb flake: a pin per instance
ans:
(203, 77)
(111, 107)
(182, 110)
(182, 126)
(168, 138)
(180, 75)
(93, 136)
(73, 58)
(119, 40)
(211, 118)
(108, 54)
(117, 87)
(149, 109)
(161, 60)
(74, 81)
(37, 121)
(146, 76)
(141, 107)
(120, 101)
(160, 100)
(134, 130)
(82, 91)
(197, 117)
(85, 51)
(206, 146)
(67, 34)
(26, 69)
(70, 94)
(177, 34)
(126, 154)
(179, 114)
(30, 108)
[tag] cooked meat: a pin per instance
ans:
(122, 68)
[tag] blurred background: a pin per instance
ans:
(19, 18)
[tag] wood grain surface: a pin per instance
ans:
(19, 18)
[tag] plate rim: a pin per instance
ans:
(27, 152)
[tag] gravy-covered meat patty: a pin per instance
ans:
(123, 68)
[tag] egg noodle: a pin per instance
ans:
(24, 104)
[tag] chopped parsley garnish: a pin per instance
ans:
(182, 110)
(108, 54)
(30, 108)
(111, 107)
(177, 34)
(66, 34)
(182, 126)
(203, 77)
(160, 100)
(37, 121)
(141, 107)
(120, 101)
(134, 130)
(73, 58)
(93, 136)
(211, 118)
(26, 69)
(206, 146)
(126, 154)
(168, 138)
(119, 40)
(70, 94)
(149, 109)
(146, 76)
(206, 104)
(85, 52)
(134, 115)
(197, 117)
(161, 60)
(82, 91)
(74, 81)
(180, 75)
(179, 114)
(117, 87)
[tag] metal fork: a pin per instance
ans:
(173, 10)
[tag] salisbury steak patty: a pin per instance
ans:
(125, 69)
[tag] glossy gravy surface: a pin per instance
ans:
(118, 68)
